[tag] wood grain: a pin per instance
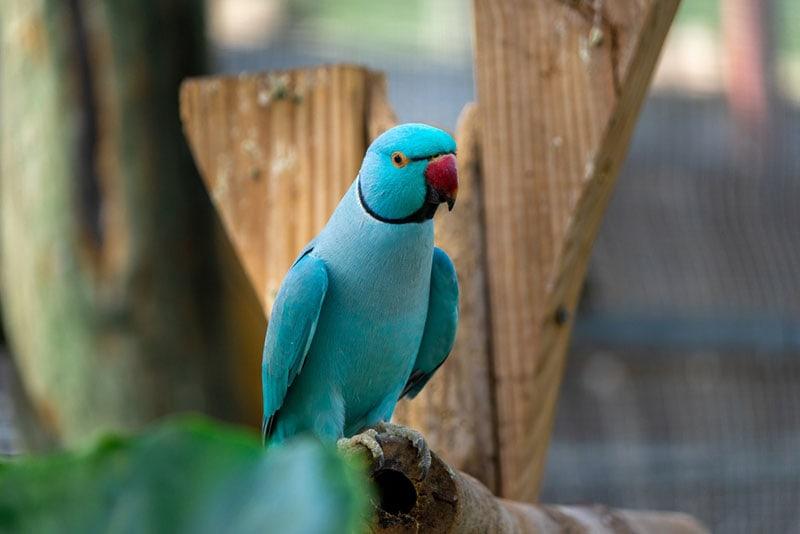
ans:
(559, 88)
(277, 151)
(455, 410)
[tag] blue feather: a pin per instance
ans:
(294, 320)
(440, 326)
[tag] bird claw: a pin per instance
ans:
(371, 439)
(416, 439)
(359, 442)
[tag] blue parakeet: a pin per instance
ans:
(368, 311)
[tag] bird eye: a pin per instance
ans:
(399, 159)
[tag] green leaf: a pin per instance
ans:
(187, 476)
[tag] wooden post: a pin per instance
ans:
(277, 151)
(560, 83)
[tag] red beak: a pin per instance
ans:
(442, 176)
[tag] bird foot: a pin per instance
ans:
(365, 440)
(416, 439)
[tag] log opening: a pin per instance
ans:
(443, 499)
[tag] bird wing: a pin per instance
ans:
(440, 326)
(290, 332)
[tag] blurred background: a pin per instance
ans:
(682, 390)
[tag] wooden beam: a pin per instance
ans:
(560, 86)
(277, 151)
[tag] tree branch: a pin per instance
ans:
(447, 500)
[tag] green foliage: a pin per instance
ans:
(378, 21)
(702, 13)
(189, 476)
(786, 17)
(435, 29)
(788, 20)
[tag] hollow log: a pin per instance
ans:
(446, 500)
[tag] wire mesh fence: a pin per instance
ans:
(712, 433)
(683, 389)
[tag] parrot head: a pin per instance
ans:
(407, 172)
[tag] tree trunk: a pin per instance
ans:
(109, 286)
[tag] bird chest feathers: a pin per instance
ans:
(376, 270)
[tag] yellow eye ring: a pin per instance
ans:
(399, 159)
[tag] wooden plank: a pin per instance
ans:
(455, 410)
(560, 86)
(277, 151)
